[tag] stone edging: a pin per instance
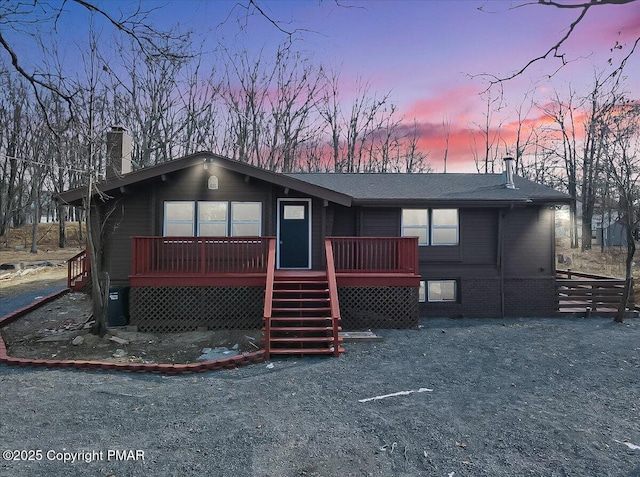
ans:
(168, 369)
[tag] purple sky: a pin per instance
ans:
(423, 52)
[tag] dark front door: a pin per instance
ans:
(293, 234)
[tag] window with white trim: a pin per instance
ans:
(431, 226)
(415, 223)
(179, 218)
(442, 290)
(444, 227)
(212, 218)
(246, 219)
(422, 292)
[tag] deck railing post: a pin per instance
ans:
(268, 296)
(333, 296)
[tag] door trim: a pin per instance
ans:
(279, 200)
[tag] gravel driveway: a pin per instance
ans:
(527, 397)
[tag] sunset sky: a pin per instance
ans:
(427, 54)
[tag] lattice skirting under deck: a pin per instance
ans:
(175, 309)
(378, 307)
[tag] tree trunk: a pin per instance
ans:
(628, 284)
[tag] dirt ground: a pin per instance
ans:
(455, 398)
(48, 332)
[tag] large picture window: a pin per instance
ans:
(212, 219)
(431, 226)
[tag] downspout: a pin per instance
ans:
(501, 218)
(501, 215)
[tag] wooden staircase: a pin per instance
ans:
(302, 315)
(78, 271)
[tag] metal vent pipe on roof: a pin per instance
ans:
(507, 177)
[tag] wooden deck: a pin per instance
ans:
(243, 261)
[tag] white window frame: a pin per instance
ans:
(165, 221)
(422, 292)
(426, 228)
(442, 300)
(232, 222)
(195, 220)
(455, 227)
(200, 222)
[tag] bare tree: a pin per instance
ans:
(622, 165)
(554, 51)
(562, 114)
(487, 153)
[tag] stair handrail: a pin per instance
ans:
(333, 295)
(78, 266)
(268, 296)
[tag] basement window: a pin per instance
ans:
(442, 290)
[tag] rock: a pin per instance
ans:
(212, 354)
(119, 353)
(78, 340)
(119, 340)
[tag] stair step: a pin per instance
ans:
(304, 339)
(290, 319)
(301, 300)
(310, 291)
(295, 310)
(304, 351)
(299, 282)
(303, 328)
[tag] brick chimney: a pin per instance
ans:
(118, 152)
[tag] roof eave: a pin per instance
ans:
(75, 196)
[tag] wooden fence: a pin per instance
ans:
(585, 292)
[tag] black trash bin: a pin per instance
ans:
(118, 306)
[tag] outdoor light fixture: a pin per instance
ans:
(207, 161)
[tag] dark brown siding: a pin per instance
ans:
(129, 217)
(344, 221)
(528, 247)
(191, 184)
(379, 222)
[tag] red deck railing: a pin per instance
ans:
(268, 296)
(199, 255)
(375, 254)
(333, 296)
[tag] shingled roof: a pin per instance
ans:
(348, 189)
(433, 187)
